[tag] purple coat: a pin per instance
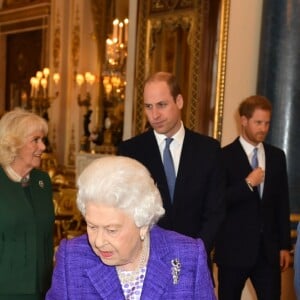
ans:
(80, 275)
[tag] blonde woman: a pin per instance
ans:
(26, 209)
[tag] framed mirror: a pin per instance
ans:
(189, 39)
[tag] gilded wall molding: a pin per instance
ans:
(142, 57)
(196, 38)
(56, 50)
(163, 6)
(14, 19)
(76, 41)
(221, 70)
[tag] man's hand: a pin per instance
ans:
(285, 259)
(256, 177)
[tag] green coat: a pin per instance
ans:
(26, 235)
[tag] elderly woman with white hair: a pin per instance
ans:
(124, 254)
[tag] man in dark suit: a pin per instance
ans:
(254, 241)
(195, 207)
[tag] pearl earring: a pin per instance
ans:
(142, 238)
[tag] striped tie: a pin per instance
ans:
(254, 160)
(169, 167)
(254, 164)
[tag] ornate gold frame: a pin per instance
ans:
(188, 18)
(221, 69)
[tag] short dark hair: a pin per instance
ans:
(250, 104)
(169, 78)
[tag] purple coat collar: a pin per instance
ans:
(157, 277)
(80, 274)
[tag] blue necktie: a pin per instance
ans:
(254, 164)
(169, 167)
(254, 160)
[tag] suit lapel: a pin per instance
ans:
(155, 166)
(153, 157)
(189, 156)
(158, 274)
(186, 156)
(108, 286)
(241, 159)
(268, 169)
(157, 279)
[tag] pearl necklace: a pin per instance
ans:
(127, 277)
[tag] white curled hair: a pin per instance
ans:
(123, 183)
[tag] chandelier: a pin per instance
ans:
(84, 85)
(40, 98)
(114, 83)
(116, 46)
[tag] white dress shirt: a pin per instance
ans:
(248, 148)
(175, 146)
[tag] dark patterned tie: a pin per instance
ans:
(169, 167)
